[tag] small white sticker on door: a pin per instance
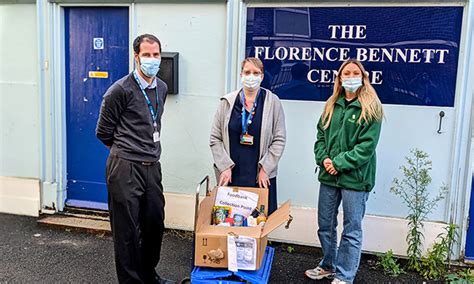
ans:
(98, 43)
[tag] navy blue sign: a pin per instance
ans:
(410, 53)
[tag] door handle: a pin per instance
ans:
(441, 115)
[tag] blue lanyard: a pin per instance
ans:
(150, 107)
(246, 120)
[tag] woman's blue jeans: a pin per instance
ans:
(345, 259)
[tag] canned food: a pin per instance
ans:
(219, 214)
(238, 220)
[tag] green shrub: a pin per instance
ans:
(433, 264)
(413, 189)
(389, 264)
(460, 277)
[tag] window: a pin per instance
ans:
(292, 22)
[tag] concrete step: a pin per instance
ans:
(86, 216)
(79, 222)
(85, 211)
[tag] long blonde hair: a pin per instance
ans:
(370, 102)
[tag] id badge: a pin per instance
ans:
(156, 136)
(246, 139)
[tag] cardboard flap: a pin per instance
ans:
(213, 190)
(280, 216)
(204, 207)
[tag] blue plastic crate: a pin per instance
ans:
(214, 275)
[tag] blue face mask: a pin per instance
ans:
(150, 66)
(352, 84)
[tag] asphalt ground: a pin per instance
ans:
(30, 253)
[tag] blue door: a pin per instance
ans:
(97, 54)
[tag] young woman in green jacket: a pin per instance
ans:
(348, 132)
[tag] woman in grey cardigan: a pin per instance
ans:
(248, 134)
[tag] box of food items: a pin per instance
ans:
(232, 227)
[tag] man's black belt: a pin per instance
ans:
(143, 163)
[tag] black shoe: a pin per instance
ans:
(159, 280)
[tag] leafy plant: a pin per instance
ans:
(433, 264)
(466, 274)
(413, 189)
(460, 277)
(389, 264)
(290, 249)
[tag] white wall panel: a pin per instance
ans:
(19, 104)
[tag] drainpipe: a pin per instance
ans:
(42, 68)
(459, 207)
(232, 44)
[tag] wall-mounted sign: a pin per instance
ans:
(99, 74)
(98, 42)
(410, 53)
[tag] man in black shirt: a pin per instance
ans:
(129, 125)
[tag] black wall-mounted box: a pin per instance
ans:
(169, 71)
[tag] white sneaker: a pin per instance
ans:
(318, 273)
(337, 281)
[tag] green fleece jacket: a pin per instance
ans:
(350, 146)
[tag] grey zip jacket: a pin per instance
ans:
(272, 137)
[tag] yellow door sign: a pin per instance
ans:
(99, 74)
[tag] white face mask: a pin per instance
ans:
(251, 82)
(150, 66)
(352, 84)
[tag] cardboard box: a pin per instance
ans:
(210, 237)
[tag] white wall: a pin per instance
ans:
(406, 128)
(197, 32)
(19, 104)
(19, 110)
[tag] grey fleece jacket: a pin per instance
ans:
(272, 137)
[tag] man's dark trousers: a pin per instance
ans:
(136, 207)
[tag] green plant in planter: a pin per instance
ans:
(413, 189)
(460, 277)
(433, 264)
(290, 249)
(389, 264)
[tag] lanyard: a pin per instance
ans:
(150, 107)
(246, 120)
